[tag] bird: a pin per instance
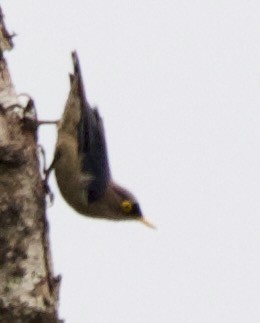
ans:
(81, 162)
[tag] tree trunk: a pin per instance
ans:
(28, 289)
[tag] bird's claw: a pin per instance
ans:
(45, 175)
(49, 194)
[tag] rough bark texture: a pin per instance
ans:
(28, 289)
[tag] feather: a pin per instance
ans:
(91, 142)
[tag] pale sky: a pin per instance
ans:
(178, 86)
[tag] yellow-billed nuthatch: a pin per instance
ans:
(81, 161)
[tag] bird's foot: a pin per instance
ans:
(45, 175)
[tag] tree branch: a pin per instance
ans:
(28, 289)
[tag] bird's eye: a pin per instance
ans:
(126, 206)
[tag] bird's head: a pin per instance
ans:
(123, 205)
(131, 210)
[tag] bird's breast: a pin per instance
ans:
(70, 179)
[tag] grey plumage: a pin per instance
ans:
(81, 161)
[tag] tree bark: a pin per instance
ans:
(28, 289)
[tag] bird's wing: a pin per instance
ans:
(91, 141)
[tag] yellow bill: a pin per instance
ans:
(147, 223)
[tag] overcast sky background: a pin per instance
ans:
(178, 85)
